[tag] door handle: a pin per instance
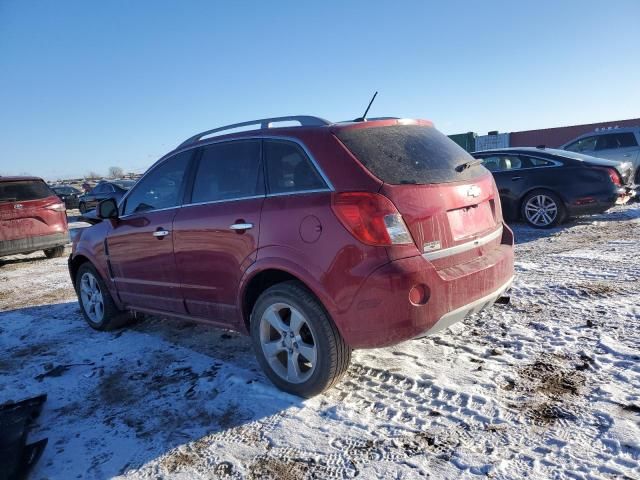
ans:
(627, 154)
(516, 178)
(241, 226)
(160, 233)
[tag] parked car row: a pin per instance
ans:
(316, 239)
(68, 194)
(114, 189)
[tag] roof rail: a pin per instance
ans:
(305, 121)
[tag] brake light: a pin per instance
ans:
(371, 218)
(614, 176)
(57, 207)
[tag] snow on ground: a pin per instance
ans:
(546, 387)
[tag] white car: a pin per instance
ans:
(622, 144)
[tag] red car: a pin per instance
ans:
(32, 218)
(316, 239)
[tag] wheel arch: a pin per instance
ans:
(271, 272)
(74, 265)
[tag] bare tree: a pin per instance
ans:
(93, 175)
(116, 172)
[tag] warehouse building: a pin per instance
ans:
(550, 137)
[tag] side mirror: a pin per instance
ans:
(107, 209)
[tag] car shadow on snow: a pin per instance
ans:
(117, 400)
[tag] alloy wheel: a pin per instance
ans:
(91, 296)
(288, 342)
(541, 210)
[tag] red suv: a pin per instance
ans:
(32, 217)
(316, 239)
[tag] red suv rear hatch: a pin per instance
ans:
(447, 199)
(29, 208)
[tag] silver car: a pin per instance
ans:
(622, 144)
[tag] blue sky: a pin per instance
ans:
(87, 85)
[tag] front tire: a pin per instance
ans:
(543, 209)
(97, 305)
(296, 342)
(54, 252)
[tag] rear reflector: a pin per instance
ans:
(371, 218)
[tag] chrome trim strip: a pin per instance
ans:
(235, 199)
(463, 247)
(299, 192)
(133, 214)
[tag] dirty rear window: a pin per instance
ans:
(24, 190)
(410, 154)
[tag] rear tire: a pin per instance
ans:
(97, 305)
(543, 209)
(54, 252)
(296, 342)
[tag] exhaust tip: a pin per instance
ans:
(503, 300)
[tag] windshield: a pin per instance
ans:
(410, 154)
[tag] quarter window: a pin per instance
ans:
(289, 169)
(228, 171)
(161, 187)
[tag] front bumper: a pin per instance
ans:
(626, 193)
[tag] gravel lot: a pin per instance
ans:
(546, 387)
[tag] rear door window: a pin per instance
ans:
(289, 169)
(409, 154)
(228, 171)
(24, 190)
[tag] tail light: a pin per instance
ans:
(371, 218)
(57, 207)
(614, 176)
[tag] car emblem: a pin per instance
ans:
(474, 191)
(17, 206)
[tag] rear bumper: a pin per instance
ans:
(381, 313)
(627, 193)
(476, 306)
(31, 244)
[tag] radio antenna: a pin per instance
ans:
(363, 118)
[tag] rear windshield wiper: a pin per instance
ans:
(472, 163)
